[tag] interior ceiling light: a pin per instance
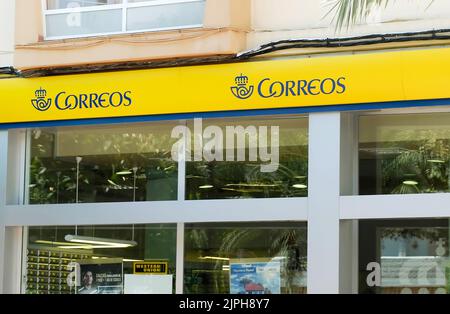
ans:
(215, 257)
(124, 172)
(55, 243)
(253, 185)
(206, 186)
(436, 161)
(95, 242)
(410, 182)
(299, 186)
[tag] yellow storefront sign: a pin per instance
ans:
(303, 82)
(150, 268)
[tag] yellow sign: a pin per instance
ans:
(297, 82)
(150, 268)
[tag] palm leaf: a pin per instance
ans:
(350, 12)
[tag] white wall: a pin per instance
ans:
(289, 19)
(7, 15)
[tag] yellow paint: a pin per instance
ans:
(374, 77)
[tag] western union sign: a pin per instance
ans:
(150, 268)
(304, 82)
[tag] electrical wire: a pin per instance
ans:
(340, 42)
(441, 34)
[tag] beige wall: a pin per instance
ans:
(6, 32)
(230, 26)
(226, 24)
(274, 20)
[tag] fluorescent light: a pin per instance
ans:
(215, 257)
(88, 247)
(102, 242)
(299, 186)
(54, 243)
(112, 182)
(206, 186)
(410, 182)
(436, 161)
(253, 185)
(124, 172)
(132, 260)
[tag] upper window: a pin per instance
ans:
(262, 158)
(102, 164)
(404, 154)
(81, 18)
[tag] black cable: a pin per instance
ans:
(347, 41)
(8, 71)
(365, 40)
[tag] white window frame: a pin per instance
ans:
(124, 7)
(392, 206)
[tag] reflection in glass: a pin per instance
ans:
(244, 179)
(165, 16)
(404, 154)
(66, 4)
(413, 256)
(102, 164)
(89, 22)
(49, 253)
(261, 258)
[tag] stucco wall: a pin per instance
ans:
(6, 32)
(281, 19)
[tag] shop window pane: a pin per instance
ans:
(165, 16)
(84, 23)
(245, 258)
(282, 173)
(102, 164)
(65, 4)
(104, 260)
(404, 256)
(404, 154)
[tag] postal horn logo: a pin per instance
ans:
(241, 90)
(40, 102)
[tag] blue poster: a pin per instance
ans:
(255, 277)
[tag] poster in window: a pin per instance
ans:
(254, 277)
(101, 276)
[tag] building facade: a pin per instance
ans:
(224, 146)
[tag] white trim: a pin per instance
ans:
(13, 260)
(23, 274)
(323, 202)
(26, 171)
(2, 254)
(124, 33)
(44, 20)
(3, 170)
(84, 9)
(179, 279)
(16, 167)
(124, 15)
(3, 184)
(433, 205)
(274, 209)
(159, 2)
